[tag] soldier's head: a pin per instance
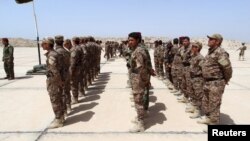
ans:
(243, 44)
(186, 41)
(5, 41)
(160, 42)
(169, 44)
(156, 43)
(48, 43)
(134, 39)
(59, 40)
(67, 44)
(196, 47)
(176, 41)
(215, 40)
(76, 41)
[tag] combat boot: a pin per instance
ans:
(196, 114)
(139, 127)
(170, 86)
(68, 108)
(174, 91)
(183, 100)
(204, 120)
(56, 123)
(81, 94)
(190, 110)
(177, 93)
(74, 100)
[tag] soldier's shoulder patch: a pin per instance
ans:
(52, 60)
(73, 53)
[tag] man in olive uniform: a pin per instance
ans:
(217, 72)
(8, 59)
(197, 80)
(242, 52)
(59, 39)
(75, 69)
(54, 82)
(139, 78)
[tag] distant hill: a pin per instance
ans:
(20, 42)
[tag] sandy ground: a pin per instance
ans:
(105, 113)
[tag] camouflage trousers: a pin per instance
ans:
(168, 72)
(186, 86)
(146, 95)
(77, 84)
(211, 101)
(161, 71)
(197, 95)
(156, 65)
(176, 74)
(138, 88)
(55, 94)
(9, 69)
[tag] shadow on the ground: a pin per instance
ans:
(226, 119)
(155, 115)
(152, 99)
(90, 98)
(19, 77)
(84, 117)
(99, 84)
(83, 107)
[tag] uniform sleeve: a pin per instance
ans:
(54, 67)
(226, 67)
(11, 51)
(72, 62)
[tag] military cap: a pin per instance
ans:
(5, 39)
(59, 38)
(215, 36)
(136, 35)
(49, 40)
(197, 44)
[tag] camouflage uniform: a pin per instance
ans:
(65, 71)
(197, 80)
(242, 52)
(149, 65)
(139, 78)
(156, 60)
(217, 72)
(8, 59)
(54, 82)
(176, 68)
(161, 54)
(186, 79)
(76, 56)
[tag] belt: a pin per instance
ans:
(212, 79)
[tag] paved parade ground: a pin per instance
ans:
(106, 112)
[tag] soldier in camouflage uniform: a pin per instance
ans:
(242, 52)
(176, 68)
(161, 53)
(217, 71)
(8, 59)
(156, 56)
(197, 80)
(65, 71)
(75, 69)
(186, 56)
(139, 78)
(54, 82)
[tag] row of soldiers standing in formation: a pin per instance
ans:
(111, 48)
(198, 81)
(71, 65)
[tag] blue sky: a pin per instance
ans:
(116, 18)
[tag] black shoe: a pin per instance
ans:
(6, 77)
(12, 78)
